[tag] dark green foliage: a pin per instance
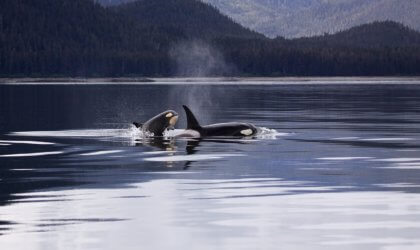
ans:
(82, 38)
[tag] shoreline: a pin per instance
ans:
(213, 80)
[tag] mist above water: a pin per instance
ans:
(195, 58)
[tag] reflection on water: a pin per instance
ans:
(244, 213)
(336, 166)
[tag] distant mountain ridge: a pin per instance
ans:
(190, 18)
(82, 38)
(304, 18)
(387, 34)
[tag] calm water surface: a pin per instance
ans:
(337, 166)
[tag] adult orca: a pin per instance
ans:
(236, 129)
(157, 125)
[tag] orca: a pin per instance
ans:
(157, 125)
(229, 129)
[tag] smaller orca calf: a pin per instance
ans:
(237, 129)
(157, 125)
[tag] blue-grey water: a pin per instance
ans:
(337, 167)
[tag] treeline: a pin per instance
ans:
(81, 38)
(77, 38)
(273, 59)
(385, 34)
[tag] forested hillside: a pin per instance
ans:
(302, 18)
(385, 34)
(192, 18)
(184, 37)
(75, 37)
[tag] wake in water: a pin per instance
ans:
(168, 148)
(131, 133)
(264, 133)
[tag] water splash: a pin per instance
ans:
(131, 133)
(269, 134)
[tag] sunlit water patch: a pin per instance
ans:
(250, 213)
(33, 154)
(11, 142)
(197, 157)
(125, 133)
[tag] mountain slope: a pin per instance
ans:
(72, 37)
(192, 18)
(303, 18)
(385, 34)
(297, 18)
(80, 38)
(376, 49)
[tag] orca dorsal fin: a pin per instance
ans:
(138, 125)
(192, 122)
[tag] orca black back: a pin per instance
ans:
(236, 129)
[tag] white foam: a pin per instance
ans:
(196, 157)
(25, 142)
(346, 138)
(33, 154)
(387, 139)
(345, 158)
(264, 133)
(267, 133)
(77, 133)
(398, 185)
(131, 133)
(158, 152)
(104, 152)
(403, 167)
(181, 133)
(397, 160)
